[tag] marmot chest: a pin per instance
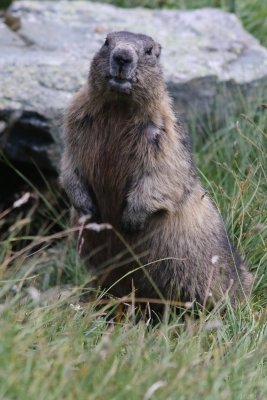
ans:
(111, 159)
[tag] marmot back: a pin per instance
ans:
(128, 162)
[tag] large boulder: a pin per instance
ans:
(207, 58)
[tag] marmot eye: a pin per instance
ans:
(149, 50)
(106, 42)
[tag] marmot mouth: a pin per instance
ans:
(120, 85)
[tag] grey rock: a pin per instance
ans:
(207, 57)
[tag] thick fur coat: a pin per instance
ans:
(128, 162)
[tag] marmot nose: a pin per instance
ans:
(122, 57)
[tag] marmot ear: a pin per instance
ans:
(157, 49)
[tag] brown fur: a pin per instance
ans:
(128, 162)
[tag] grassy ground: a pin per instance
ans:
(53, 347)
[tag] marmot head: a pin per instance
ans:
(127, 65)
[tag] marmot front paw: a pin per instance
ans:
(87, 210)
(133, 222)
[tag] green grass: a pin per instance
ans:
(252, 13)
(59, 353)
(50, 349)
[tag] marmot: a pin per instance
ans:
(128, 162)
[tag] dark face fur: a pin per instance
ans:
(127, 64)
